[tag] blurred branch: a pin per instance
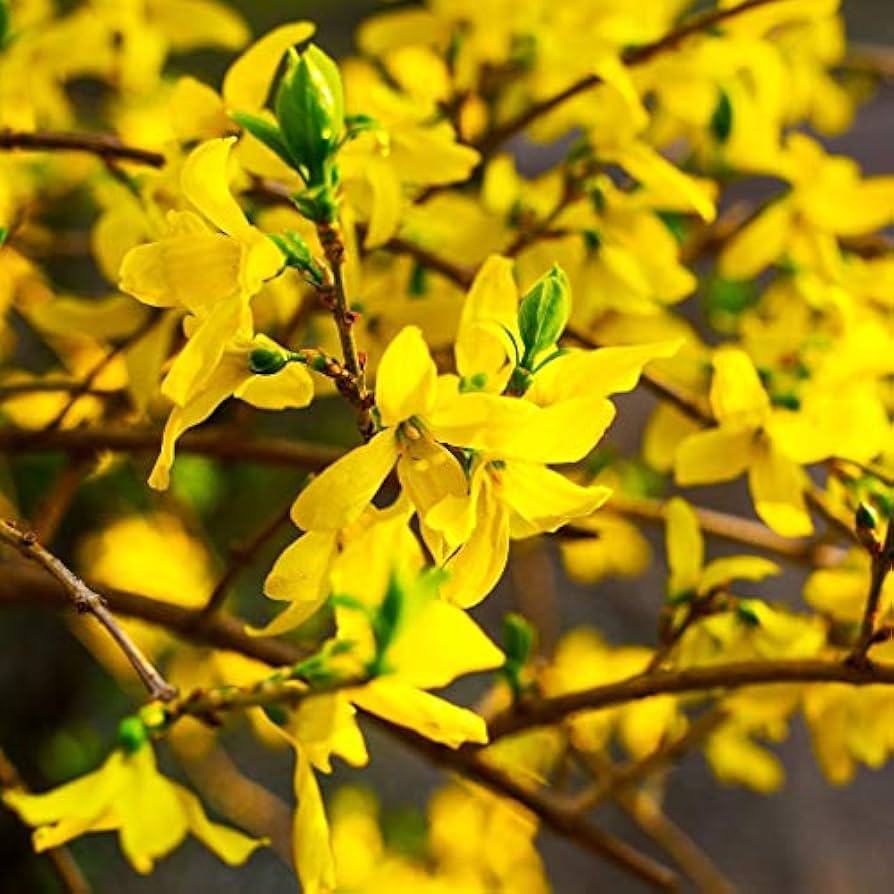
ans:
(549, 809)
(882, 559)
(633, 57)
(87, 601)
(104, 146)
(732, 528)
(219, 443)
(730, 675)
(64, 864)
(241, 558)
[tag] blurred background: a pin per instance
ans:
(60, 709)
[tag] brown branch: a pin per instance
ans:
(21, 584)
(621, 778)
(459, 276)
(881, 564)
(101, 365)
(64, 864)
(731, 675)
(104, 146)
(643, 809)
(241, 558)
(633, 57)
(217, 442)
(339, 306)
(87, 601)
(548, 809)
(732, 528)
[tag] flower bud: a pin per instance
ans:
(543, 313)
(132, 734)
(310, 112)
(264, 362)
(518, 638)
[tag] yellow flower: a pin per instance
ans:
(417, 414)
(686, 552)
(209, 269)
(127, 794)
(772, 443)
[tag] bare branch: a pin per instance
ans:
(87, 601)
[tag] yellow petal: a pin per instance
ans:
(490, 309)
(229, 845)
(386, 201)
(761, 243)
(562, 433)
(442, 644)
(153, 821)
(299, 576)
(202, 354)
(426, 714)
(714, 455)
(339, 494)
(477, 566)
(196, 410)
(685, 547)
(205, 183)
(291, 387)
(777, 488)
(189, 24)
(312, 847)
(722, 571)
(604, 371)
(544, 500)
(247, 81)
(406, 379)
(738, 398)
(197, 112)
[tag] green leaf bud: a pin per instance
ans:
(544, 312)
(310, 112)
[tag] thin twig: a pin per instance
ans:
(242, 557)
(882, 559)
(339, 306)
(88, 601)
(621, 778)
(218, 442)
(730, 675)
(64, 864)
(636, 56)
(105, 146)
(544, 805)
(101, 365)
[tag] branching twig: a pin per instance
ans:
(88, 601)
(730, 675)
(882, 558)
(636, 56)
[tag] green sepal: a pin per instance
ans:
(267, 132)
(132, 734)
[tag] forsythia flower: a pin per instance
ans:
(127, 794)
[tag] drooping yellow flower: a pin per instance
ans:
(686, 553)
(209, 265)
(418, 416)
(772, 443)
(127, 794)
